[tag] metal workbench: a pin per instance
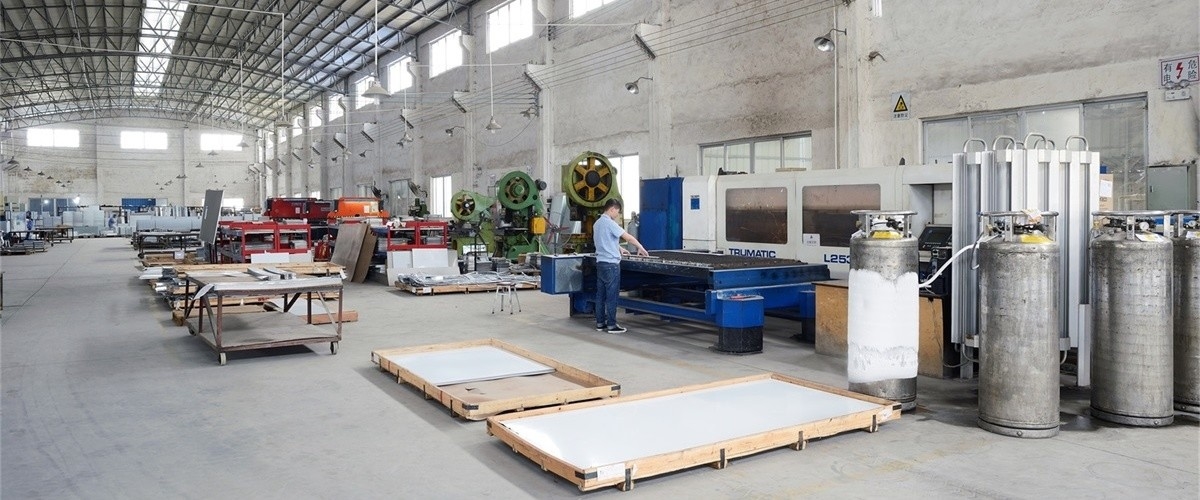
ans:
(732, 292)
(259, 330)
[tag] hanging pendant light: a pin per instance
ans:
(492, 126)
(375, 90)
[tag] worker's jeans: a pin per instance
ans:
(608, 285)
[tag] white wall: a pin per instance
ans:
(102, 173)
(729, 70)
(980, 56)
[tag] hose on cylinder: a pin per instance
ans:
(982, 239)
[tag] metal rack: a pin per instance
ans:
(226, 332)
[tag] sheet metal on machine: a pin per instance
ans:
(705, 265)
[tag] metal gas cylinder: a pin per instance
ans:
(1018, 324)
(881, 323)
(1131, 318)
(1187, 310)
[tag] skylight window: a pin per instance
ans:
(160, 26)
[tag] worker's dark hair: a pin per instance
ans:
(613, 202)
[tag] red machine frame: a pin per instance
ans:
(241, 231)
(419, 233)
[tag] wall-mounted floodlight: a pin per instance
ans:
(632, 87)
(824, 43)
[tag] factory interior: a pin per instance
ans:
(361, 249)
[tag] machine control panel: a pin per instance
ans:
(934, 249)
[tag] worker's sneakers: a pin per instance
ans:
(616, 329)
(600, 327)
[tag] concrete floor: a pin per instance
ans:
(105, 398)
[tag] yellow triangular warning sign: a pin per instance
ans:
(900, 106)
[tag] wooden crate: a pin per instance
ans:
(479, 400)
(716, 454)
(831, 299)
(471, 288)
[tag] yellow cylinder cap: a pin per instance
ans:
(1034, 238)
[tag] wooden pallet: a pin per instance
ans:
(479, 400)
(870, 414)
(179, 319)
(319, 315)
(471, 288)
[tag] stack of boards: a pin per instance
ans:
(581, 431)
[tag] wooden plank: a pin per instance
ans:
(716, 454)
(178, 318)
(830, 322)
(319, 315)
(479, 400)
(461, 288)
(931, 341)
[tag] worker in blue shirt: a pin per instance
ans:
(606, 234)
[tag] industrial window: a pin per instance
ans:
(139, 139)
(757, 215)
(314, 194)
(220, 142)
(236, 204)
(826, 218)
(581, 7)
(297, 125)
(401, 196)
(361, 86)
(629, 183)
(52, 138)
(335, 107)
(509, 23)
(770, 154)
(314, 117)
(335, 193)
(398, 77)
(1115, 128)
(445, 53)
(439, 196)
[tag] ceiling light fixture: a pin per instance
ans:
(632, 87)
(212, 152)
(824, 43)
(492, 126)
(375, 90)
(200, 165)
